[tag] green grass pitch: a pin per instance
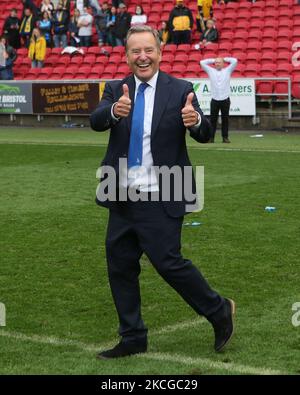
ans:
(53, 278)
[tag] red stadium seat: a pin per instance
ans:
(283, 57)
(269, 45)
(243, 15)
(269, 13)
(171, 48)
(284, 44)
(184, 48)
(269, 33)
(98, 69)
(244, 5)
(284, 33)
(268, 57)
(227, 36)
(225, 46)
(253, 57)
(264, 87)
(239, 70)
(168, 57)
(270, 22)
(101, 60)
(241, 34)
(166, 68)
(252, 70)
(287, 12)
(76, 60)
(257, 6)
(284, 69)
(125, 70)
(239, 44)
(89, 59)
(268, 70)
(255, 33)
(178, 68)
(181, 58)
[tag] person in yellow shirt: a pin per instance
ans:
(205, 8)
(205, 12)
(181, 23)
(37, 49)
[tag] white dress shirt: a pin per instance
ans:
(143, 177)
(219, 79)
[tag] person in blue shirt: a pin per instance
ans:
(45, 26)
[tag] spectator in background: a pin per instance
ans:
(7, 57)
(100, 22)
(116, 3)
(11, 29)
(164, 33)
(205, 8)
(85, 23)
(181, 23)
(60, 27)
(47, 6)
(45, 26)
(65, 5)
(31, 5)
(74, 29)
(122, 24)
(220, 91)
(205, 12)
(139, 18)
(37, 49)
(110, 26)
(27, 25)
(210, 34)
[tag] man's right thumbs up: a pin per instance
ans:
(123, 106)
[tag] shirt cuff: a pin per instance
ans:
(199, 121)
(112, 113)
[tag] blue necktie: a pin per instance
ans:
(135, 153)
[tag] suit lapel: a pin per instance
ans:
(161, 100)
(131, 85)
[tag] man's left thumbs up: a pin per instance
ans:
(189, 115)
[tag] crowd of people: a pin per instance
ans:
(52, 24)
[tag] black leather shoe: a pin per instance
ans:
(123, 349)
(223, 325)
(226, 140)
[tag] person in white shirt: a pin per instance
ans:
(220, 91)
(85, 22)
(139, 18)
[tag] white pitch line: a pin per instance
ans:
(54, 341)
(208, 363)
(92, 347)
(176, 327)
(199, 362)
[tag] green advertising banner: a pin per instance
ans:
(242, 96)
(15, 98)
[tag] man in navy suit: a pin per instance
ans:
(148, 114)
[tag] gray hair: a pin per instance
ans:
(143, 29)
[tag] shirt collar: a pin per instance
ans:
(151, 82)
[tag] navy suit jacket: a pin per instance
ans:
(168, 145)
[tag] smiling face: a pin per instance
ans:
(143, 55)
